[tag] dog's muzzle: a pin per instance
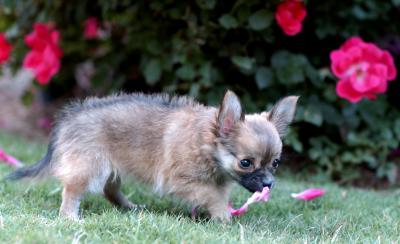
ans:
(257, 180)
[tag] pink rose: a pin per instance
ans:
(290, 15)
(5, 48)
(44, 58)
(45, 64)
(91, 28)
(363, 69)
(44, 36)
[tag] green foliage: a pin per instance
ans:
(260, 20)
(227, 21)
(204, 47)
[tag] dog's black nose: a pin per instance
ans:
(269, 183)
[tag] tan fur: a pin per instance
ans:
(173, 144)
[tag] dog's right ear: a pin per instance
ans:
(282, 113)
(230, 113)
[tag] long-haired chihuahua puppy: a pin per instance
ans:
(174, 144)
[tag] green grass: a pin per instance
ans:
(29, 214)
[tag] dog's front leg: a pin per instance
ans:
(215, 200)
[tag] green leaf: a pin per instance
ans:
(243, 14)
(289, 68)
(243, 62)
(396, 3)
(312, 115)
(154, 47)
(228, 21)
(206, 4)
(397, 127)
(194, 90)
(152, 71)
(328, 111)
(186, 72)
(263, 77)
(388, 170)
(260, 20)
(292, 140)
(206, 73)
(27, 98)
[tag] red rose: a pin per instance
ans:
(5, 48)
(91, 28)
(363, 69)
(289, 15)
(44, 58)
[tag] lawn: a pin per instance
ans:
(29, 214)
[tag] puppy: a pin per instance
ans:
(174, 144)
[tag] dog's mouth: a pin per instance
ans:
(256, 181)
(252, 184)
(252, 188)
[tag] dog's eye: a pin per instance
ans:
(275, 163)
(245, 163)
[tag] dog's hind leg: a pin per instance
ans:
(71, 197)
(76, 180)
(112, 191)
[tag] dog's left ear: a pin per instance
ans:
(282, 114)
(230, 113)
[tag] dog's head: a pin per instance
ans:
(248, 147)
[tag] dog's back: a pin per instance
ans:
(136, 134)
(122, 133)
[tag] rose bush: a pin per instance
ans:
(204, 47)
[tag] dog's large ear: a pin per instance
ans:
(230, 113)
(282, 114)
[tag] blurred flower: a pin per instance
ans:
(42, 37)
(45, 64)
(44, 58)
(5, 48)
(44, 123)
(9, 159)
(91, 30)
(290, 15)
(256, 197)
(363, 69)
(309, 194)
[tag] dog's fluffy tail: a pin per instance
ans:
(35, 170)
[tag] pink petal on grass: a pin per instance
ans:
(9, 159)
(256, 197)
(309, 194)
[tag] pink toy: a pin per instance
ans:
(9, 159)
(256, 197)
(309, 194)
